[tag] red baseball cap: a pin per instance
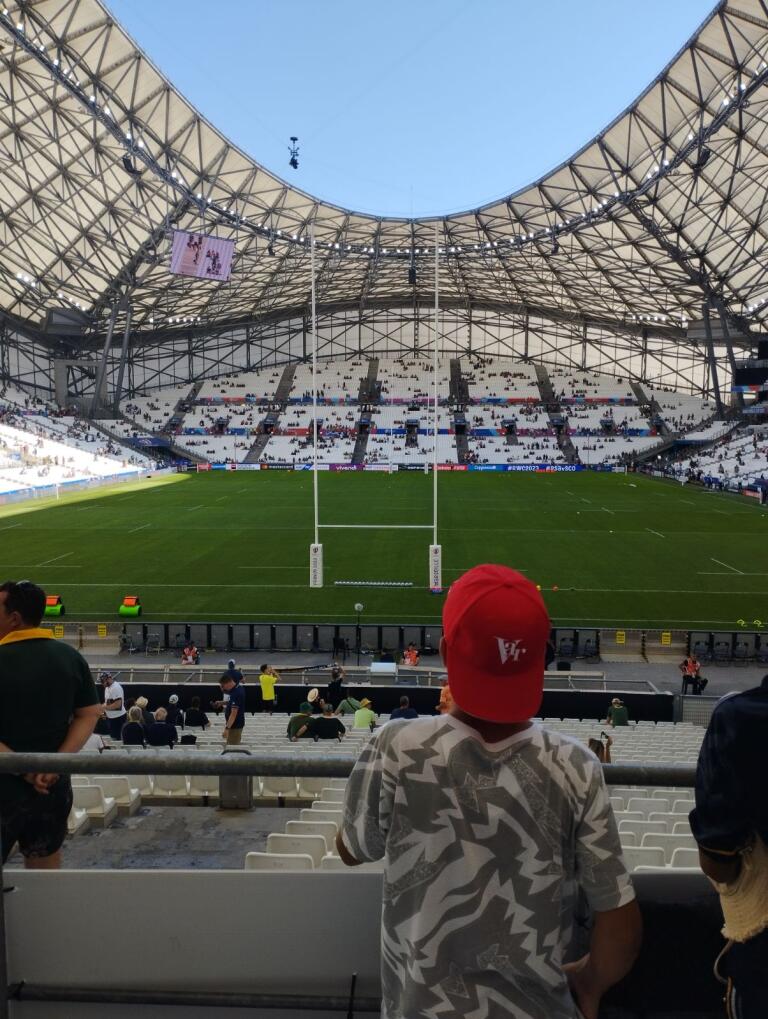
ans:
(496, 629)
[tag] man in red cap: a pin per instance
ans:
(489, 825)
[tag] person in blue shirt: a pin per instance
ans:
(234, 719)
(161, 733)
(405, 710)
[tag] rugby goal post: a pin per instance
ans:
(435, 553)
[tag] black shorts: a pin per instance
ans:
(38, 821)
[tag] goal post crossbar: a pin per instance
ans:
(378, 527)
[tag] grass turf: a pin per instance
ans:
(623, 551)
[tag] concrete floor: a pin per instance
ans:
(175, 838)
(664, 675)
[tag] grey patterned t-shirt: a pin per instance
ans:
(485, 847)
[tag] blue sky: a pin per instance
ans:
(411, 107)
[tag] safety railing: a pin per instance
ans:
(256, 763)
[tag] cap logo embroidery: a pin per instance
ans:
(509, 649)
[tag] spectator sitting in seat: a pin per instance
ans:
(405, 710)
(173, 712)
(365, 717)
(690, 666)
(190, 655)
(94, 742)
(690, 669)
(133, 734)
(300, 721)
(160, 733)
(194, 716)
(411, 655)
(348, 706)
(315, 701)
(147, 718)
(324, 726)
(617, 713)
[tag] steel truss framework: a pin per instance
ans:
(663, 212)
(378, 331)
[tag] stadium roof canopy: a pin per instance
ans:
(101, 158)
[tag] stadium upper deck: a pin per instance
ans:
(102, 158)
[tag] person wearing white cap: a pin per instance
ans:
(174, 713)
(488, 825)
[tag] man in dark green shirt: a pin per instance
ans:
(48, 704)
(617, 713)
(299, 720)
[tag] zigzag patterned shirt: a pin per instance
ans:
(485, 849)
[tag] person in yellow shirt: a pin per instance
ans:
(267, 680)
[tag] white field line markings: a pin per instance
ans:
(35, 566)
(189, 510)
(141, 528)
(740, 574)
(719, 563)
(463, 569)
(288, 615)
(654, 532)
(588, 501)
(10, 527)
(605, 510)
(240, 492)
(222, 498)
(687, 502)
(304, 567)
(56, 558)
(588, 590)
(82, 509)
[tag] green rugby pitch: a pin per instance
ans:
(622, 550)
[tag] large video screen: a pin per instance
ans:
(208, 258)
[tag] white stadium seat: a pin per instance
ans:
(312, 845)
(643, 856)
(101, 809)
(279, 861)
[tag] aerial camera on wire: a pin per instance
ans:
(293, 148)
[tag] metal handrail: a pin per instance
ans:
(202, 763)
(332, 765)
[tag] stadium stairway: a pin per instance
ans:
(361, 440)
(254, 453)
(462, 442)
(369, 392)
(176, 420)
(459, 389)
(285, 385)
(550, 400)
(271, 418)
